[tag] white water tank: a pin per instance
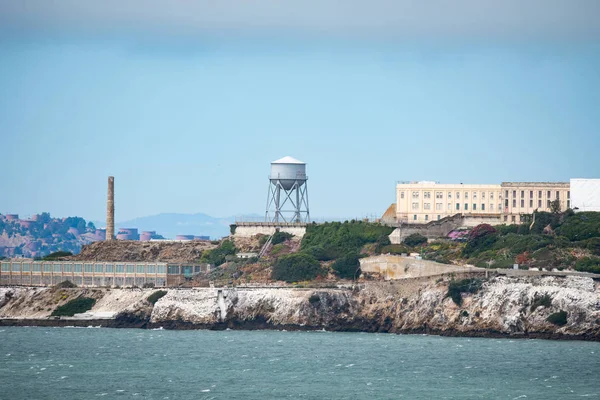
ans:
(287, 171)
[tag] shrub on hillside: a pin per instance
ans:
(280, 237)
(580, 226)
(75, 306)
(347, 267)
(218, 256)
(541, 301)
(593, 245)
(338, 239)
(416, 239)
(588, 264)
(543, 219)
(296, 267)
(506, 229)
(558, 318)
(455, 288)
(481, 238)
(154, 297)
(319, 253)
(395, 249)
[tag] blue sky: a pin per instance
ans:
(187, 108)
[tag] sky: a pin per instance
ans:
(187, 103)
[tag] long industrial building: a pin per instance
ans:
(96, 274)
(425, 201)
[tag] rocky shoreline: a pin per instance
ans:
(503, 307)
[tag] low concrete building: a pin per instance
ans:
(249, 229)
(392, 267)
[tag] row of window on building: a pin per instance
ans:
(457, 207)
(531, 203)
(440, 195)
(47, 280)
(539, 194)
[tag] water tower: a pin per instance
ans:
(288, 194)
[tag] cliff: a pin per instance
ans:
(503, 306)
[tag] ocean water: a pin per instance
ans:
(89, 363)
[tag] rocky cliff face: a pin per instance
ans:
(502, 307)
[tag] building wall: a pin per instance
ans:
(397, 267)
(422, 202)
(522, 198)
(248, 230)
(586, 194)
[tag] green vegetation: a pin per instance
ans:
(154, 297)
(218, 256)
(580, 226)
(75, 306)
(337, 239)
(56, 255)
(296, 267)
(347, 267)
(280, 237)
(416, 239)
(588, 264)
(541, 301)
(455, 288)
(558, 318)
(395, 249)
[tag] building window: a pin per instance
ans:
(449, 206)
(482, 195)
(466, 206)
(557, 194)
(548, 194)
(522, 203)
(439, 195)
(415, 206)
(540, 203)
(474, 206)
(513, 219)
(531, 203)
(457, 207)
(531, 194)
(457, 195)
(500, 206)
(427, 206)
(568, 203)
(522, 193)
(568, 194)
(438, 206)
(521, 218)
(427, 195)
(482, 206)
(506, 194)
(426, 217)
(449, 195)
(415, 195)
(547, 203)
(540, 194)
(491, 195)
(491, 207)
(401, 195)
(514, 193)
(514, 202)
(474, 195)
(506, 218)
(415, 217)
(438, 217)
(466, 195)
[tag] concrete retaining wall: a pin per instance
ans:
(397, 267)
(251, 230)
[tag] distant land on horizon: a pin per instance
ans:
(170, 225)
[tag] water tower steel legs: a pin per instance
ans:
(299, 212)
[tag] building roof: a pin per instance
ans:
(287, 160)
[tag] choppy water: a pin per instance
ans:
(80, 363)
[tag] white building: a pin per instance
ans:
(585, 194)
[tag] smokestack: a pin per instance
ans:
(110, 209)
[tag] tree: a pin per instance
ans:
(415, 239)
(347, 267)
(481, 238)
(555, 206)
(296, 267)
(91, 226)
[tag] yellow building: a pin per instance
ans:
(523, 198)
(424, 201)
